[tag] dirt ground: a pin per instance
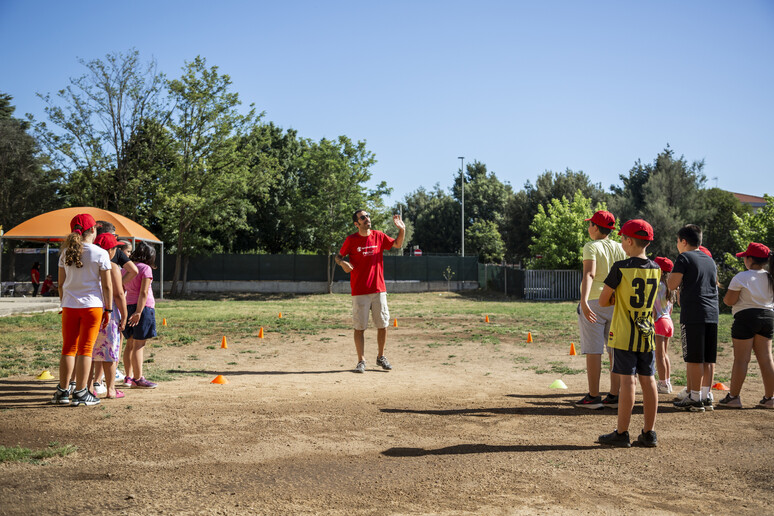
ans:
(455, 428)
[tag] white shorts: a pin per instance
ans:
(593, 336)
(374, 303)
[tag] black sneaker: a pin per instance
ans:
(383, 363)
(707, 403)
(590, 403)
(615, 439)
(71, 389)
(689, 405)
(648, 439)
(730, 402)
(83, 397)
(610, 401)
(61, 397)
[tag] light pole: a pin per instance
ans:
(462, 185)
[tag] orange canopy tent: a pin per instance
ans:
(54, 226)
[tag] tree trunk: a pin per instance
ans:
(183, 290)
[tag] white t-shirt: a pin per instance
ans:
(754, 290)
(82, 286)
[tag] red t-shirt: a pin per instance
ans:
(365, 255)
(35, 274)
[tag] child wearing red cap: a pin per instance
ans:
(593, 319)
(87, 301)
(107, 349)
(696, 275)
(662, 314)
(631, 288)
(751, 298)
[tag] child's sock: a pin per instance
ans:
(696, 395)
(705, 392)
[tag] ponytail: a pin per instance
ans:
(73, 249)
(671, 295)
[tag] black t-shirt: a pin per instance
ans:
(699, 289)
(120, 258)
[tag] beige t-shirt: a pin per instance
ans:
(605, 253)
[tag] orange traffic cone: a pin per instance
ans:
(395, 323)
(720, 387)
(572, 349)
(486, 319)
(529, 336)
(219, 379)
(164, 321)
(223, 344)
(260, 333)
(280, 315)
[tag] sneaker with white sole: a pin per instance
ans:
(589, 402)
(383, 363)
(360, 367)
(61, 397)
(610, 401)
(730, 402)
(119, 376)
(142, 383)
(71, 388)
(99, 388)
(128, 381)
(767, 403)
(83, 397)
(689, 404)
(663, 387)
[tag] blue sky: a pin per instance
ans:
(523, 87)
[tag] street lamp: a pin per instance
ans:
(462, 185)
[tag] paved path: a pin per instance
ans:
(27, 305)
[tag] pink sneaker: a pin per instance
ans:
(142, 383)
(128, 381)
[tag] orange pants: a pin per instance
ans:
(80, 327)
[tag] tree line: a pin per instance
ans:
(184, 159)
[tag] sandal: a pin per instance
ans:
(119, 394)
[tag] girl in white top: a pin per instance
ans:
(751, 296)
(87, 300)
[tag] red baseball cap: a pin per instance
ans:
(755, 250)
(81, 223)
(665, 263)
(603, 218)
(705, 251)
(106, 241)
(637, 228)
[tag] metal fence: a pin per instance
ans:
(552, 285)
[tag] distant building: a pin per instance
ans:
(752, 200)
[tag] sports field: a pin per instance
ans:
(465, 423)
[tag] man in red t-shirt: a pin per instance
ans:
(369, 294)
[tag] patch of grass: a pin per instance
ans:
(231, 363)
(19, 454)
(522, 359)
(561, 369)
(210, 347)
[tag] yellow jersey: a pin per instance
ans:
(635, 281)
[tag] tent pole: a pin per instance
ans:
(161, 274)
(1, 263)
(46, 274)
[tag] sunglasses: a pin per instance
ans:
(364, 216)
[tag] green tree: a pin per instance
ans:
(28, 184)
(720, 225)
(671, 198)
(483, 239)
(486, 197)
(523, 206)
(436, 217)
(96, 115)
(560, 232)
(206, 192)
(755, 227)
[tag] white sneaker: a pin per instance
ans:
(663, 387)
(682, 394)
(99, 388)
(119, 376)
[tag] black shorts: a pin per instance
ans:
(633, 362)
(700, 342)
(751, 322)
(146, 328)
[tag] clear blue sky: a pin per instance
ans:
(523, 87)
